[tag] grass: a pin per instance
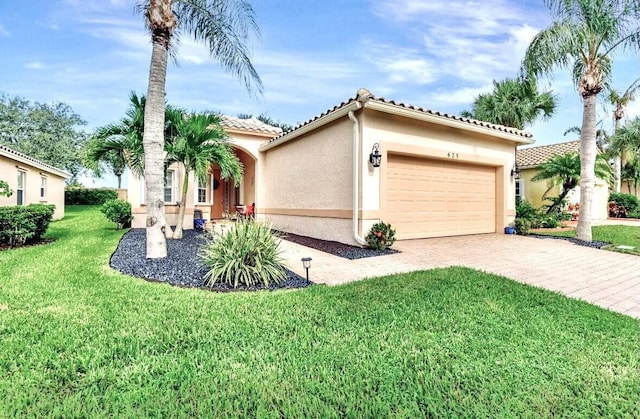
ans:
(617, 235)
(78, 339)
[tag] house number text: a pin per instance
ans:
(452, 155)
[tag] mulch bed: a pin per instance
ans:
(338, 249)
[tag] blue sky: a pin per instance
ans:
(311, 56)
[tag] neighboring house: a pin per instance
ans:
(216, 196)
(439, 174)
(32, 181)
(529, 161)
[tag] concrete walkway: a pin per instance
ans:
(607, 279)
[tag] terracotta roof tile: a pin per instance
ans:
(249, 124)
(364, 95)
(37, 163)
(535, 156)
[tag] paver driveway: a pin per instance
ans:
(607, 279)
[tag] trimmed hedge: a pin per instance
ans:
(20, 225)
(85, 196)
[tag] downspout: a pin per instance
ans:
(356, 183)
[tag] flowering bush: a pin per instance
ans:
(381, 236)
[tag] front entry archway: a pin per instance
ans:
(226, 196)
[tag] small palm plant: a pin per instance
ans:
(248, 254)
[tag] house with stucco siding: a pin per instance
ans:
(529, 161)
(437, 175)
(32, 181)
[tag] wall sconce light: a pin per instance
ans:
(306, 264)
(515, 172)
(375, 156)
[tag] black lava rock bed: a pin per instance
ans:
(594, 244)
(182, 266)
(335, 248)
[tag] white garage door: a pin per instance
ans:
(436, 198)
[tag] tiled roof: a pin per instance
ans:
(21, 157)
(535, 156)
(364, 95)
(249, 124)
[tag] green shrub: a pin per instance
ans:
(20, 225)
(118, 211)
(525, 210)
(381, 236)
(522, 226)
(550, 221)
(5, 190)
(248, 254)
(85, 196)
(625, 205)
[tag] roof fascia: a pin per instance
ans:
(34, 163)
(330, 117)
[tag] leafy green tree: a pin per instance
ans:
(47, 132)
(4, 189)
(224, 26)
(564, 170)
(198, 141)
(513, 103)
(583, 37)
(626, 144)
(620, 100)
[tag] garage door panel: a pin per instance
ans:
(432, 198)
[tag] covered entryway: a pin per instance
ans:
(437, 198)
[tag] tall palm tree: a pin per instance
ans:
(513, 103)
(564, 170)
(583, 36)
(620, 101)
(200, 141)
(224, 26)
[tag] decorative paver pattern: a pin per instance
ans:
(607, 279)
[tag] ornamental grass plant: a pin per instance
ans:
(247, 254)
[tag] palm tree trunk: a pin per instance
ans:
(617, 161)
(153, 141)
(177, 234)
(587, 166)
(119, 181)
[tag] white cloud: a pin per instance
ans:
(35, 65)
(3, 31)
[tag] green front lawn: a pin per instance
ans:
(78, 339)
(615, 234)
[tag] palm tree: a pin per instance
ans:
(200, 141)
(620, 101)
(631, 174)
(224, 26)
(119, 144)
(583, 36)
(564, 170)
(626, 144)
(513, 103)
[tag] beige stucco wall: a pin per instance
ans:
(308, 181)
(306, 185)
(624, 188)
(54, 191)
(533, 191)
